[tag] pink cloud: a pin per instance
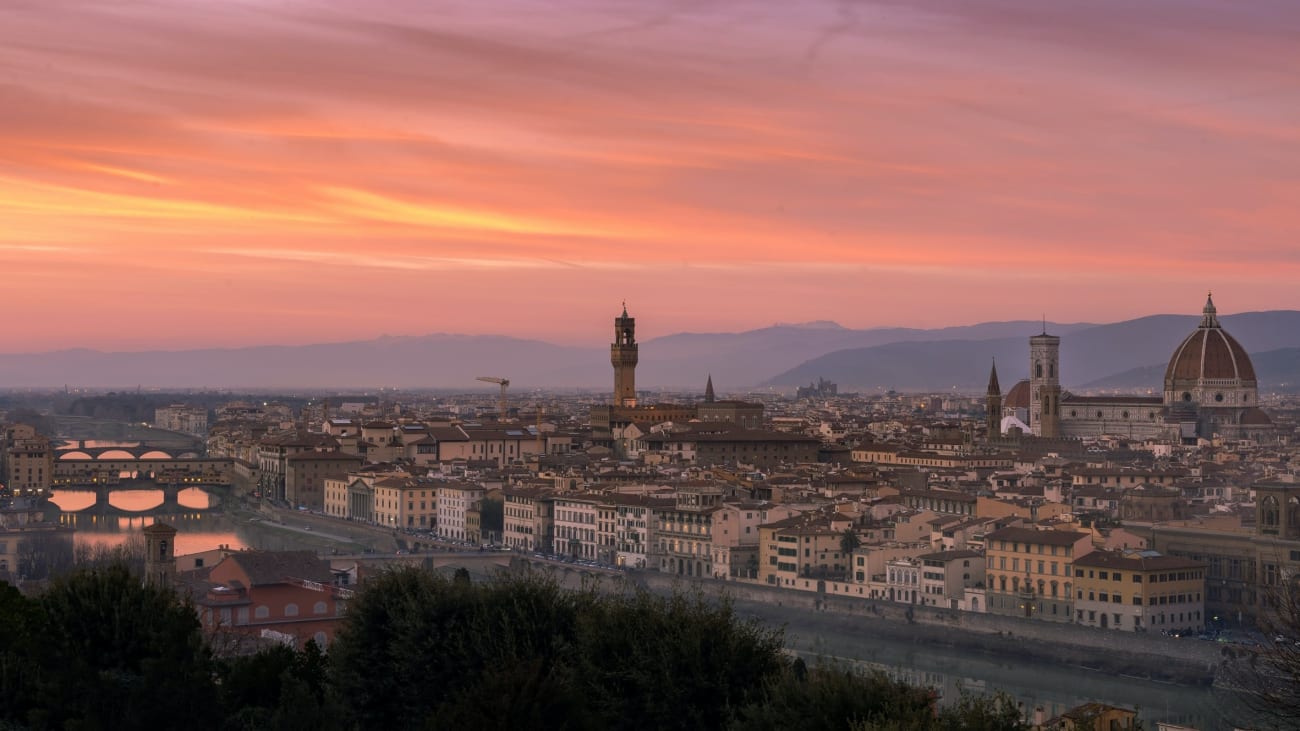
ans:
(729, 164)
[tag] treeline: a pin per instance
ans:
(418, 651)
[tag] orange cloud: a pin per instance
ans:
(735, 163)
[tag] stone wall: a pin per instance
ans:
(1144, 655)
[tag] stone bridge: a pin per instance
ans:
(79, 452)
(115, 468)
(170, 503)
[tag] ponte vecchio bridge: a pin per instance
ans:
(129, 497)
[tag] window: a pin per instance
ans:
(291, 610)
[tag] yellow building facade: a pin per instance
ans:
(1030, 572)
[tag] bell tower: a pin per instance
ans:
(623, 355)
(993, 403)
(160, 555)
(1045, 384)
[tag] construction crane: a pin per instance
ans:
(501, 403)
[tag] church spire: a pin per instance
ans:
(708, 390)
(1210, 316)
(995, 389)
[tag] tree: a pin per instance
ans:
(849, 541)
(418, 650)
(113, 649)
(834, 697)
(44, 553)
(19, 622)
(1268, 673)
(413, 642)
(492, 517)
(278, 688)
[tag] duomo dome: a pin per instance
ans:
(1210, 368)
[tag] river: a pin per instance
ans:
(203, 525)
(200, 522)
(824, 636)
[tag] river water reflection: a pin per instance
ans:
(200, 524)
(1055, 688)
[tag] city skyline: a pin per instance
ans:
(264, 172)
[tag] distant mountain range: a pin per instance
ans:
(1130, 354)
(1121, 355)
(408, 362)
(1279, 369)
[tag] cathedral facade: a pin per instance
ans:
(1209, 390)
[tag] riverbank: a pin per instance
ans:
(326, 534)
(1149, 657)
(1146, 656)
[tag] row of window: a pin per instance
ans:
(1030, 548)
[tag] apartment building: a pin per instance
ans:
(28, 461)
(1139, 591)
(454, 500)
(305, 474)
(528, 524)
(576, 520)
(684, 533)
(182, 418)
(626, 527)
(1030, 572)
(802, 546)
(946, 576)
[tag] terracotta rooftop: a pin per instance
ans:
(276, 567)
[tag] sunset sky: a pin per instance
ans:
(179, 173)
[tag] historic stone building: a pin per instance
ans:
(1209, 389)
(609, 422)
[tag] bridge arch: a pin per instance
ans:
(136, 501)
(72, 501)
(74, 455)
(116, 454)
(155, 454)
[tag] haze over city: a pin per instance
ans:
(177, 174)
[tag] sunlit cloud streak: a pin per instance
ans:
(727, 164)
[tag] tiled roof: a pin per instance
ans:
(276, 567)
(1029, 535)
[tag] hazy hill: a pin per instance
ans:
(904, 358)
(1087, 355)
(749, 358)
(448, 361)
(1275, 370)
(409, 362)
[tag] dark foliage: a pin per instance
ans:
(106, 652)
(834, 698)
(492, 517)
(98, 650)
(278, 688)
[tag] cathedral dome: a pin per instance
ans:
(1209, 354)
(1018, 396)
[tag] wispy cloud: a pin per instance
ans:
(898, 162)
